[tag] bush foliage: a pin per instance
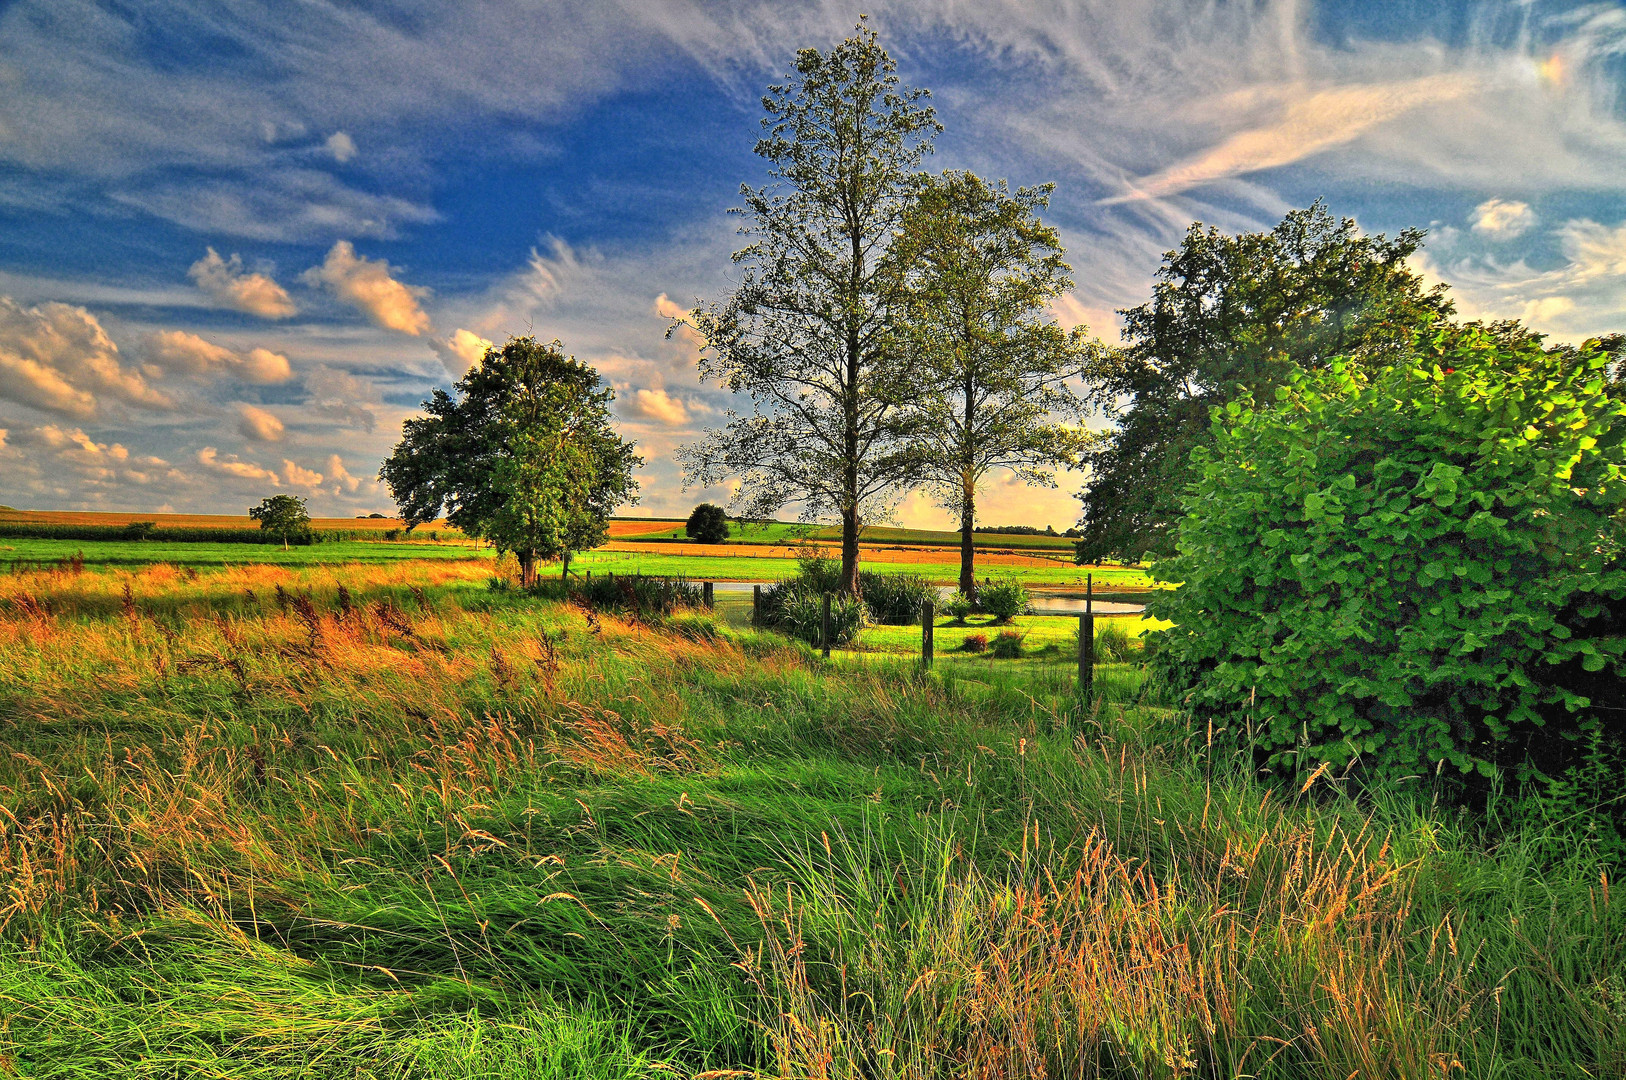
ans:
(1414, 569)
(636, 594)
(895, 599)
(1004, 600)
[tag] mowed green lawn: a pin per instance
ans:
(722, 567)
(148, 552)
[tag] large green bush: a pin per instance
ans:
(895, 599)
(1415, 570)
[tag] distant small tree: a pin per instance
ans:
(525, 456)
(283, 517)
(708, 524)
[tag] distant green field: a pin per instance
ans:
(786, 532)
(699, 567)
(146, 552)
(748, 568)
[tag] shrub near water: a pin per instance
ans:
(895, 599)
(1004, 600)
(1419, 569)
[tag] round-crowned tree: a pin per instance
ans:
(522, 453)
(708, 524)
(282, 517)
(1410, 571)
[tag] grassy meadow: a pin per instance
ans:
(382, 821)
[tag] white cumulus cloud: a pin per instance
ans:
(341, 146)
(368, 285)
(461, 351)
(659, 406)
(231, 466)
(1502, 219)
(340, 476)
(183, 353)
(257, 424)
(228, 285)
(58, 358)
(296, 476)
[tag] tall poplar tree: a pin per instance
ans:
(807, 336)
(980, 270)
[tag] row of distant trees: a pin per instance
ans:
(893, 329)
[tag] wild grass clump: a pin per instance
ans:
(796, 607)
(636, 594)
(1007, 645)
(895, 599)
(1113, 642)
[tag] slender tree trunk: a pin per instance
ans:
(968, 487)
(285, 541)
(527, 568)
(849, 550)
(968, 522)
(564, 573)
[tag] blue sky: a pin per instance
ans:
(239, 242)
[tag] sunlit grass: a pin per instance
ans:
(252, 826)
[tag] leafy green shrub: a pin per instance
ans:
(708, 524)
(820, 572)
(796, 607)
(1004, 600)
(895, 599)
(974, 643)
(959, 606)
(138, 530)
(636, 594)
(1008, 645)
(1419, 568)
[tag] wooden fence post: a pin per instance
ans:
(1086, 639)
(824, 630)
(708, 599)
(756, 605)
(928, 620)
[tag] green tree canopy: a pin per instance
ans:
(522, 453)
(807, 335)
(283, 517)
(1232, 315)
(988, 382)
(708, 524)
(1417, 565)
